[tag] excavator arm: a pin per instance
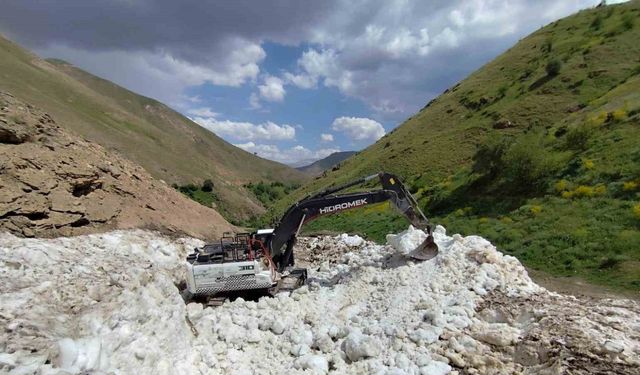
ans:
(328, 202)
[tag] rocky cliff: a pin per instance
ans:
(54, 183)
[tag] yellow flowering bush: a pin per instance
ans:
(561, 186)
(636, 210)
(535, 209)
(619, 114)
(506, 220)
(630, 186)
(599, 119)
(588, 164)
(600, 190)
(584, 191)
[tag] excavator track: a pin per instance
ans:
(293, 280)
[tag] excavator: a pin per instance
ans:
(264, 259)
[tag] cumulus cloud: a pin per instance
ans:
(161, 75)
(303, 81)
(254, 101)
(202, 112)
(272, 89)
(291, 156)
(326, 137)
(359, 128)
(246, 131)
(394, 55)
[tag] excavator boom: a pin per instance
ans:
(329, 202)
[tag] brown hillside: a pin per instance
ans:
(55, 183)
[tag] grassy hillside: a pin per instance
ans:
(322, 165)
(167, 144)
(539, 151)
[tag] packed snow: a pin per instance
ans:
(108, 303)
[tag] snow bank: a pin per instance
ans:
(407, 241)
(108, 303)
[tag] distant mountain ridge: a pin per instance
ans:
(319, 166)
(167, 144)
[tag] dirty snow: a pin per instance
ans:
(107, 303)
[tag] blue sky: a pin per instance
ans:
(292, 81)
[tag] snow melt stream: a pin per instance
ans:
(107, 303)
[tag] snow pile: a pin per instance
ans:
(405, 242)
(108, 303)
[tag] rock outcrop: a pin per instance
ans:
(54, 183)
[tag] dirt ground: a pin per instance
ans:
(577, 287)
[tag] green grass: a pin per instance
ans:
(268, 193)
(373, 222)
(488, 156)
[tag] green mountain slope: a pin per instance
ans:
(539, 151)
(167, 144)
(319, 166)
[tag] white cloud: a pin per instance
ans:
(246, 131)
(272, 89)
(202, 112)
(254, 101)
(326, 137)
(359, 128)
(163, 76)
(395, 55)
(289, 156)
(303, 81)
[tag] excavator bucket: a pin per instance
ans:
(428, 249)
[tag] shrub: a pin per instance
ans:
(188, 188)
(600, 118)
(597, 22)
(528, 164)
(506, 220)
(636, 211)
(627, 21)
(618, 115)
(584, 191)
(578, 137)
(488, 159)
(535, 209)
(567, 194)
(553, 67)
(588, 164)
(502, 91)
(629, 185)
(207, 186)
(600, 190)
(547, 45)
(561, 186)
(610, 262)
